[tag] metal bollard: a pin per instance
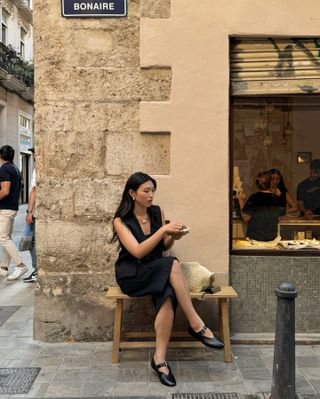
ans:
(284, 369)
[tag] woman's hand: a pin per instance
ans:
(173, 228)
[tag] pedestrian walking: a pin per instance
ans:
(30, 219)
(10, 183)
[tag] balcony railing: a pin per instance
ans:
(16, 66)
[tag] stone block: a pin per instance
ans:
(87, 198)
(73, 263)
(155, 8)
(55, 199)
(129, 153)
(155, 153)
(68, 318)
(64, 238)
(112, 45)
(97, 199)
(123, 117)
(106, 84)
(71, 154)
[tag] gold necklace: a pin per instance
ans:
(143, 220)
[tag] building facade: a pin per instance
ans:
(162, 90)
(16, 83)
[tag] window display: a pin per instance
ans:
(275, 202)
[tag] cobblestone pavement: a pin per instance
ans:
(85, 369)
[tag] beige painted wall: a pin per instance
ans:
(194, 42)
(89, 86)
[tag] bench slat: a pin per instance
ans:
(152, 344)
(225, 292)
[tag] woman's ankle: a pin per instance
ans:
(159, 358)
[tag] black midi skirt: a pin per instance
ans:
(150, 278)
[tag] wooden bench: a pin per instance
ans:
(222, 296)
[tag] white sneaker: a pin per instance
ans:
(3, 272)
(18, 271)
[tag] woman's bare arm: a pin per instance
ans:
(169, 239)
(140, 250)
(291, 202)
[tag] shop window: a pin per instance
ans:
(275, 179)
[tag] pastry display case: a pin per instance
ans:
(299, 228)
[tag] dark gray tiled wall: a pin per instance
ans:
(255, 279)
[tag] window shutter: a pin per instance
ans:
(269, 66)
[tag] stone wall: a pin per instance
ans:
(88, 87)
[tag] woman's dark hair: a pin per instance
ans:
(281, 186)
(263, 180)
(7, 153)
(125, 207)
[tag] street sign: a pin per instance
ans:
(94, 8)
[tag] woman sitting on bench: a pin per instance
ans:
(141, 268)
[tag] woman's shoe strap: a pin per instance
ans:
(203, 330)
(164, 364)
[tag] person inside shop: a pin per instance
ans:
(142, 269)
(262, 210)
(279, 188)
(308, 191)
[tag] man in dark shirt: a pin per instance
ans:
(262, 211)
(9, 202)
(308, 191)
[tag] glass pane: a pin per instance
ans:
(276, 173)
(4, 34)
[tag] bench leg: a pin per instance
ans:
(117, 331)
(224, 329)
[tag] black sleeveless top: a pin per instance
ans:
(133, 224)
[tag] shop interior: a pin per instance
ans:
(279, 132)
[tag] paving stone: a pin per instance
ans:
(108, 374)
(226, 375)
(199, 373)
(130, 388)
(64, 389)
(6, 312)
(73, 376)
(261, 373)
(96, 389)
(308, 361)
(132, 375)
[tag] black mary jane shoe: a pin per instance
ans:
(211, 342)
(165, 379)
